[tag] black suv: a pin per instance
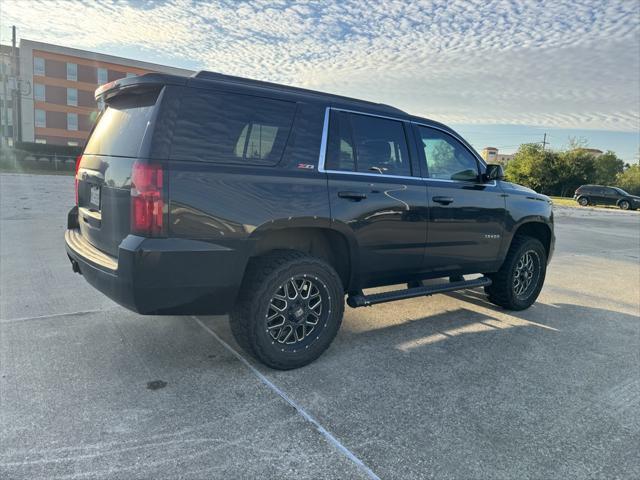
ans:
(217, 194)
(601, 195)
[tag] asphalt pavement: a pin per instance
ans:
(447, 386)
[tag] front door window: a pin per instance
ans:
(446, 158)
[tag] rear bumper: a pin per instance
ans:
(161, 276)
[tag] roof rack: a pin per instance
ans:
(215, 76)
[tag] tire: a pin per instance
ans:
(507, 291)
(274, 287)
(584, 201)
(624, 204)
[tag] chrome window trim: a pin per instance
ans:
(323, 141)
(325, 134)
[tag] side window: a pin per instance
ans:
(610, 191)
(231, 128)
(340, 155)
(256, 141)
(380, 145)
(447, 158)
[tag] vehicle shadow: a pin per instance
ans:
(457, 326)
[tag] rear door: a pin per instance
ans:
(104, 173)
(466, 216)
(372, 192)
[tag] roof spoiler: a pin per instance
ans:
(111, 89)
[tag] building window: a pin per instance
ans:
(9, 117)
(41, 118)
(72, 121)
(41, 140)
(72, 144)
(72, 97)
(129, 74)
(103, 76)
(39, 92)
(72, 72)
(38, 66)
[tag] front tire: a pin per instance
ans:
(583, 201)
(624, 205)
(517, 284)
(289, 309)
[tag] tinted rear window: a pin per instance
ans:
(121, 127)
(231, 128)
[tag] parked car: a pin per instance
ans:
(217, 194)
(602, 195)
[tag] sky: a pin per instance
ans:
(501, 72)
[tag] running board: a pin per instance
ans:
(362, 300)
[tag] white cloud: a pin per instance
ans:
(562, 63)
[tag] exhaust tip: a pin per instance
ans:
(75, 267)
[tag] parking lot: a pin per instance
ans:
(440, 387)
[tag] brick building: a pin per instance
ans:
(60, 107)
(491, 155)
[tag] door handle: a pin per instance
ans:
(443, 200)
(356, 196)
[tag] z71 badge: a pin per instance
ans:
(306, 166)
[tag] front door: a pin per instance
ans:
(610, 196)
(375, 196)
(466, 216)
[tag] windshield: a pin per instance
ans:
(620, 191)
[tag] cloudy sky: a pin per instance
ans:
(500, 71)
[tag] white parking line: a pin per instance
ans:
(307, 416)
(54, 315)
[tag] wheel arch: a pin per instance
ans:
(323, 242)
(536, 229)
(624, 199)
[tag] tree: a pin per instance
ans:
(607, 168)
(561, 172)
(533, 167)
(629, 180)
(573, 168)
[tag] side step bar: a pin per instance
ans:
(362, 300)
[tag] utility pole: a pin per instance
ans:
(544, 141)
(5, 100)
(15, 94)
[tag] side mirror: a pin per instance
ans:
(494, 172)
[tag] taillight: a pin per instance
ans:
(78, 160)
(147, 204)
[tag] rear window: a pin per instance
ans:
(367, 144)
(231, 128)
(122, 125)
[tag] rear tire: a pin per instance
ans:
(289, 309)
(517, 284)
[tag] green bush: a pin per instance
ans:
(629, 180)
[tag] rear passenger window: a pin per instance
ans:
(231, 128)
(367, 144)
(340, 154)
